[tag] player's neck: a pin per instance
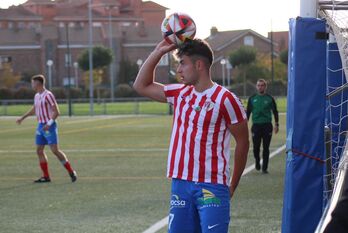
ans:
(203, 84)
(41, 90)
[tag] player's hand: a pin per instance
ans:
(46, 127)
(164, 47)
(276, 129)
(19, 121)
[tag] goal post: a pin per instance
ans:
(308, 8)
(335, 218)
(316, 177)
(305, 143)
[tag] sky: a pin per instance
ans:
(258, 15)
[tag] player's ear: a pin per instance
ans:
(199, 64)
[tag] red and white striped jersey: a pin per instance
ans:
(43, 103)
(200, 142)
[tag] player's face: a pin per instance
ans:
(187, 71)
(261, 87)
(35, 85)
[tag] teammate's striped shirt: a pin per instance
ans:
(43, 103)
(200, 142)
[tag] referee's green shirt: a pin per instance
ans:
(261, 108)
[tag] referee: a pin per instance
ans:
(261, 106)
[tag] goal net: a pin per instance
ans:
(336, 176)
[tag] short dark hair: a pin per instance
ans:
(196, 47)
(262, 80)
(40, 78)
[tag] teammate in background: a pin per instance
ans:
(261, 106)
(206, 115)
(46, 110)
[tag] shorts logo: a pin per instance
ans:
(209, 199)
(176, 202)
(213, 226)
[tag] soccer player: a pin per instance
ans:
(261, 106)
(206, 115)
(46, 110)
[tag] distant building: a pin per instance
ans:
(281, 38)
(224, 43)
(36, 31)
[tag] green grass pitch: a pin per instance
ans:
(121, 162)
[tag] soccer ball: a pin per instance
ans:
(177, 28)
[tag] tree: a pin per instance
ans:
(260, 68)
(26, 76)
(128, 72)
(97, 77)
(7, 77)
(102, 57)
(284, 56)
(280, 69)
(241, 58)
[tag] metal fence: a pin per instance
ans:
(81, 107)
(119, 106)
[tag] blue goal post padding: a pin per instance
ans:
(303, 187)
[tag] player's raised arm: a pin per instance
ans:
(241, 135)
(145, 83)
(29, 113)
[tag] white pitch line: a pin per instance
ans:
(274, 153)
(164, 222)
(157, 226)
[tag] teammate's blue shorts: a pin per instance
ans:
(199, 207)
(49, 137)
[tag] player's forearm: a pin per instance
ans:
(276, 118)
(55, 115)
(146, 75)
(29, 113)
(249, 109)
(275, 112)
(55, 112)
(248, 114)
(240, 159)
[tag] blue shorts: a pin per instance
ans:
(199, 207)
(49, 137)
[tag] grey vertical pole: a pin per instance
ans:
(68, 63)
(328, 164)
(90, 50)
(272, 62)
(49, 78)
(112, 80)
(308, 8)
